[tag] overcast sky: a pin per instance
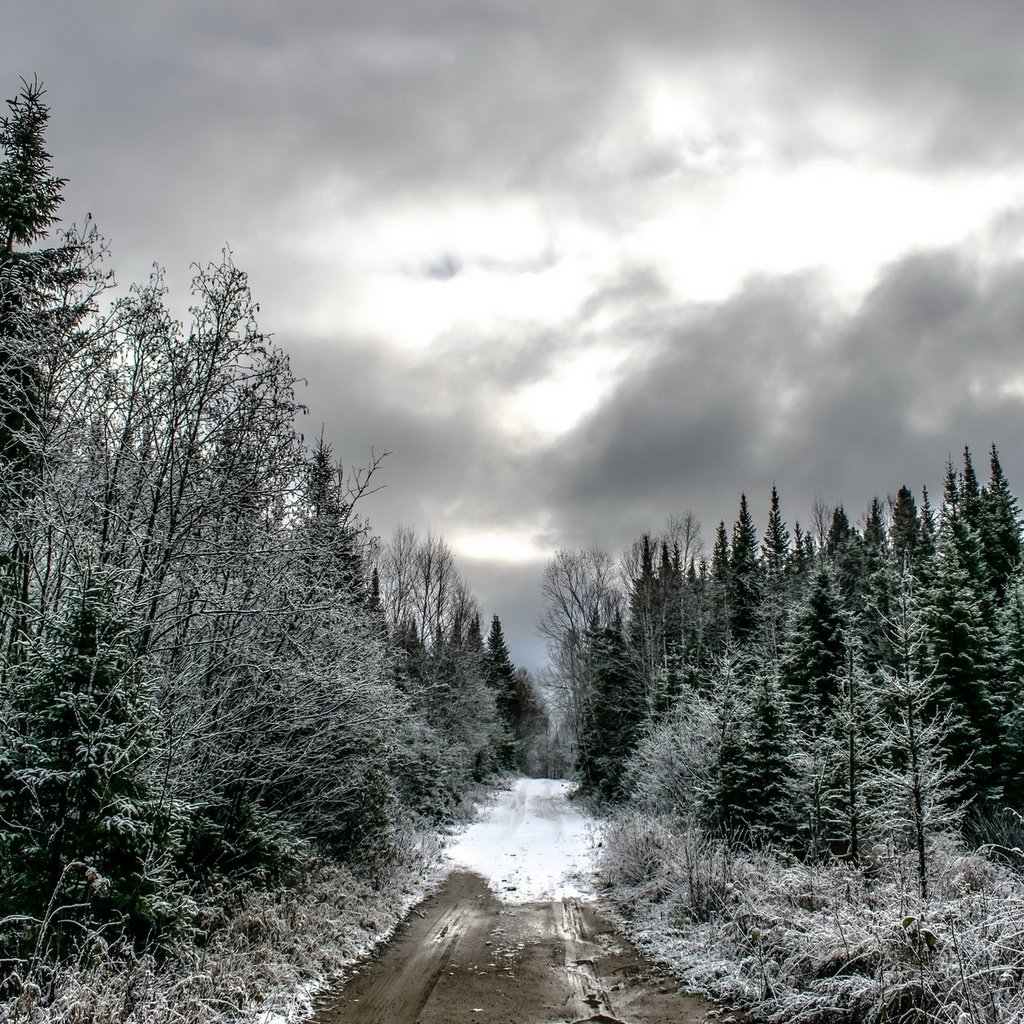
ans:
(580, 264)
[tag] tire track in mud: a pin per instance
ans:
(464, 956)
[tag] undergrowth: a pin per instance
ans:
(253, 955)
(799, 943)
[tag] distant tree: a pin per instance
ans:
(915, 787)
(814, 654)
(906, 528)
(616, 715)
(1000, 529)
(745, 584)
(775, 558)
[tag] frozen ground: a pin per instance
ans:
(507, 938)
(530, 844)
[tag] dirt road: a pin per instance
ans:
(495, 953)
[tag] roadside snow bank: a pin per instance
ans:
(530, 843)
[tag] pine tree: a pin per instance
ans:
(1000, 529)
(926, 539)
(969, 496)
(960, 656)
(905, 527)
(745, 585)
(719, 598)
(670, 581)
(84, 826)
(500, 671)
(767, 802)
(814, 655)
(39, 307)
(845, 548)
(37, 286)
(859, 730)
(1009, 697)
(916, 789)
(775, 555)
(616, 713)
(646, 616)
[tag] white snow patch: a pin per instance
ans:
(531, 844)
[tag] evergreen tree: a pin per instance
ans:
(905, 527)
(874, 537)
(745, 584)
(757, 795)
(1000, 529)
(84, 827)
(814, 655)
(801, 558)
(960, 656)
(969, 497)
(616, 713)
(926, 539)
(775, 555)
(845, 549)
(1009, 697)
(500, 671)
(670, 580)
(859, 730)
(916, 789)
(40, 305)
(719, 598)
(646, 616)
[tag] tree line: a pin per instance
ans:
(210, 669)
(820, 691)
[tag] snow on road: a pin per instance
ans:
(530, 844)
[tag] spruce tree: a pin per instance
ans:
(719, 598)
(917, 791)
(667, 680)
(500, 671)
(905, 527)
(616, 712)
(770, 809)
(845, 548)
(1009, 697)
(960, 654)
(745, 585)
(814, 654)
(775, 554)
(84, 826)
(1000, 529)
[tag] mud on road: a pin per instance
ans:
(463, 955)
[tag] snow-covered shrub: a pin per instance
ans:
(670, 766)
(816, 943)
(649, 864)
(265, 958)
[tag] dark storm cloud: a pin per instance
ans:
(780, 385)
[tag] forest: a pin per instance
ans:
(214, 679)
(234, 721)
(815, 741)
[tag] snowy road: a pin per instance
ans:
(511, 937)
(530, 844)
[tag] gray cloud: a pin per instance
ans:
(777, 385)
(187, 125)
